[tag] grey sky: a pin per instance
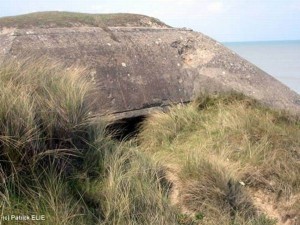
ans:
(224, 20)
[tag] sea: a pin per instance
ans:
(280, 59)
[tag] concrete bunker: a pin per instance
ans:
(139, 67)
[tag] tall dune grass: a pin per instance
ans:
(226, 147)
(58, 159)
(199, 163)
(43, 110)
(46, 131)
(134, 190)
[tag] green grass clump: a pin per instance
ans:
(71, 19)
(210, 188)
(46, 131)
(225, 148)
(42, 111)
(135, 190)
(58, 159)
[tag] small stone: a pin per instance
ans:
(109, 44)
(123, 64)
(242, 183)
(158, 41)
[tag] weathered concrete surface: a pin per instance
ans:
(139, 69)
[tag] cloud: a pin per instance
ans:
(216, 7)
(295, 6)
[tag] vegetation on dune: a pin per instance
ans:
(227, 149)
(208, 162)
(46, 131)
(57, 159)
(71, 19)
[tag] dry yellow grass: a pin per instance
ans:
(54, 19)
(220, 160)
(227, 147)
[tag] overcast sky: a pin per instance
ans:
(224, 20)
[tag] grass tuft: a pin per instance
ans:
(70, 19)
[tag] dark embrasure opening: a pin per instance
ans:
(125, 129)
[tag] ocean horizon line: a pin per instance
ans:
(261, 41)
